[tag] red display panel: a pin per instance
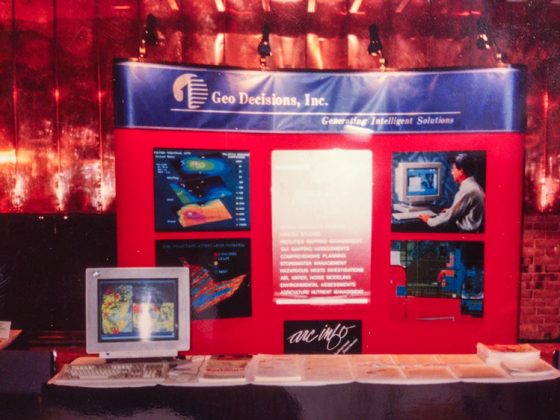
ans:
(392, 321)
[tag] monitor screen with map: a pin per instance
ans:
(137, 312)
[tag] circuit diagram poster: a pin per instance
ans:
(446, 270)
(321, 226)
(201, 190)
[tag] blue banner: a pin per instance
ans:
(455, 100)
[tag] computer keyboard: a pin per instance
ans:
(113, 373)
(412, 214)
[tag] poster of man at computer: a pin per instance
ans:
(438, 191)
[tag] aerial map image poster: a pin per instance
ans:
(219, 271)
(201, 190)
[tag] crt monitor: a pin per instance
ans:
(137, 312)
(418, 183)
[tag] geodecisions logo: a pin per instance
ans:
(191, 86)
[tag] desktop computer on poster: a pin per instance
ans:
(417, 186)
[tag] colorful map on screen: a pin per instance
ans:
(151, 317)
(116, 310)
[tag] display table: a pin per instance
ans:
(327, 387)
(531, 400)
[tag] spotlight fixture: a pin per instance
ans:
(375, 48)
(150, 35)
(484, 41)
(264, 49)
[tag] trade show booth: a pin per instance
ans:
(312, 245)
(327, 204)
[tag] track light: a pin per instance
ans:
(375, 48)
(484, 41)
(150, 35)
(264, 49)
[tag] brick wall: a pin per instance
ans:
(539, 309)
